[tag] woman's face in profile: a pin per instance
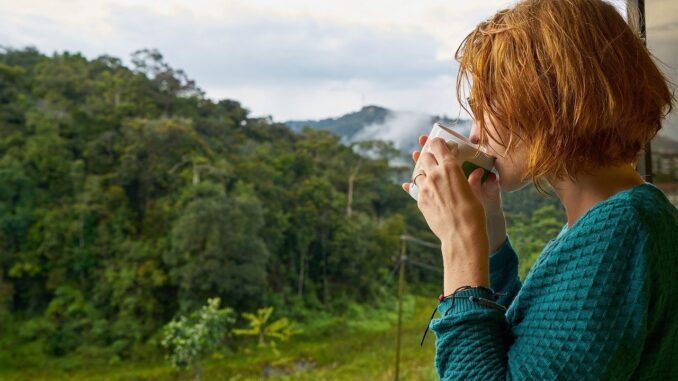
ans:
(510, 165)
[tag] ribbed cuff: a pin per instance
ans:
(501, 251)
(459, 305)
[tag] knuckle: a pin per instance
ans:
(454, 147)
(450, 164)
(424, 193)
(421, 200)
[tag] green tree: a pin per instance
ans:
(190, 338)
(216, 248)
(530, 236)
(267, 332)
(70, 320)
(169, 84)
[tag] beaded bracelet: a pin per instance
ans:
(473, 298)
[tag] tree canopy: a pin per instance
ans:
(128, 197)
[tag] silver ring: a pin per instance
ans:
(419, 173)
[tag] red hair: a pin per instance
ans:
(569, 78)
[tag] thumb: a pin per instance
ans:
(491, 185)
(487, 192)
(474, 181)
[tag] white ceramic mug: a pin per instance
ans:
(471, 155)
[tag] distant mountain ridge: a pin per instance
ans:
(346, 125)
(404, 127)
(375, 122)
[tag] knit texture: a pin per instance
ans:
(599, 303)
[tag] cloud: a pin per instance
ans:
(293, 59)
(399, 127)
(260, 50)
(404, 128)
(321, 99)
(290, 62)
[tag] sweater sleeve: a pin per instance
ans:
(504, 273)
(581, 314)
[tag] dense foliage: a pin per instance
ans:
(127, 198)
(191, 338)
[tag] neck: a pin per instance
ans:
(589, 189)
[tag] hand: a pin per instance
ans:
(449, 205)
(490, 197)
(455, 215)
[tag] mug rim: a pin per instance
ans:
(483, 149)
(456, 134)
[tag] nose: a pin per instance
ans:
(474, 135)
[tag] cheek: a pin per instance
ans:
(496, 150)
(510, 174)
(502, 164)
(506, 173)
(499, 166)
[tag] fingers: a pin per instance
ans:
(414, 181)
(406, 187)
(474, 181)
(428, 161)
(442, 151)
(422, 141)
(438, 153)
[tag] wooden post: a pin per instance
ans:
(644, 163)
(401, 289)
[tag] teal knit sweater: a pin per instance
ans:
(599, 303)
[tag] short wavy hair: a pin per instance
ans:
(569, 78)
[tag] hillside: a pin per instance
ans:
(403, 127)
(375, 122)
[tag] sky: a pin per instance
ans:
(292, 59)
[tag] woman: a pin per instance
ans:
(571, 84)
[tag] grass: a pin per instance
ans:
(357, 346)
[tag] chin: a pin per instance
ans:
(510, 184)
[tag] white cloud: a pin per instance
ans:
(398, 128)
(296, 58)
(292, 59)
(321, 99)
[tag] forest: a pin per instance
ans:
(129, 199)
